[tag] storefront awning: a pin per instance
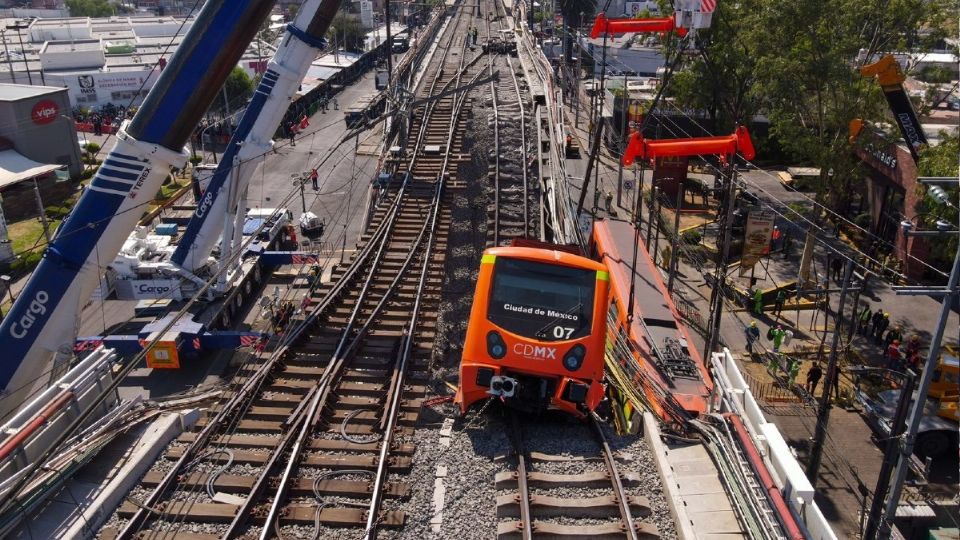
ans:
(15, 167)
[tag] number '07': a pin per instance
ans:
(562, 332)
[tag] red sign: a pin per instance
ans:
(44, 112)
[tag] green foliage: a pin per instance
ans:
(940, 160)
(346, 32)
(797, 63)
(56, 212)
(239, 88)
(936, 75)
(692, 237)
(90, 8)
(571, 10)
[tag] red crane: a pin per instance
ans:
(603, 25)
(723, 145)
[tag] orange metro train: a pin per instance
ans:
(537, 330)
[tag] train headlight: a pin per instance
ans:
(496, 347)
(574, 357)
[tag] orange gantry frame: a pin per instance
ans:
(723, 145)
(603, 25)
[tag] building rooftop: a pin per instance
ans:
(17, 92)
(79, 45)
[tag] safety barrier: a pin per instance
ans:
(770, 392)
(735, 395)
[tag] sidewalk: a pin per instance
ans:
(851, 457)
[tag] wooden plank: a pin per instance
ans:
(593, 479)
(399, 464)
(373, 417)
(333, 445)
(248, 425)
(538, 456)
(188, 511)
(337, 517)
(580, 507)
(302, 487)
(511, 530)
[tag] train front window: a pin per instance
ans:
(541, 301)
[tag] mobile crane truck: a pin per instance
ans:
(938, 426)
(43, 322)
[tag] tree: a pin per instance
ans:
(797, 63)
(940, 160)
(90, 8)
(239, 88)
(571, 10)
(346, 32)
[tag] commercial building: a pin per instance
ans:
(113, 60)
(38, 152)
(104, 60)
(35, 124)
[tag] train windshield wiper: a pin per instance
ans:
(542, 332)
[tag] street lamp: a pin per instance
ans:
(18, 26)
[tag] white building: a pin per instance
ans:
(99, 61)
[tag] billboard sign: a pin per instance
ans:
(756, 238)
(633, 9)
(44, 112)
(366, 13)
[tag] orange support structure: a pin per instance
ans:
(629, 25)
(724, 145)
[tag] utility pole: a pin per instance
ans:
(656, 237)
(226, 104)
(576, 75)
(654, 193)
(720, 279)
(6, 53)
(916, 413)
(823, 414)
(43, 215)
(889, 456)
(386, 15)
(598, 135)
(674, 255)
(623, 138)
(23, 52)
(303, 197)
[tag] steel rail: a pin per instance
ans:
(496, 157)
(347, 346)
(618, 491)
(401, 369)
(245, 510)
(250, 388)
(345, 350)
(523, 490)
(523, 150)
(306, 426)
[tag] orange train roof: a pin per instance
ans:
(650, 302)
(547, 256)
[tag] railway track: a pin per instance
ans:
(314, 436)
(510, 209)
(530, 506)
